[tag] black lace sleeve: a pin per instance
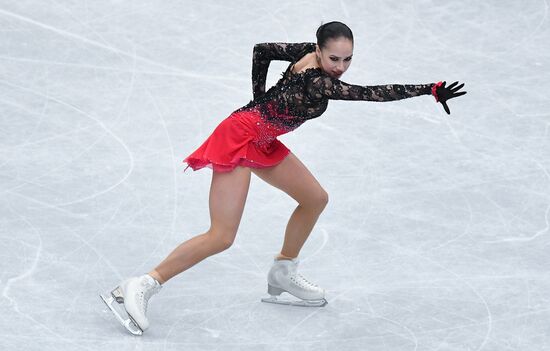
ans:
(320, 86)
(264, 53)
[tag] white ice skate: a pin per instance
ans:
(282, 277)
(131, 297)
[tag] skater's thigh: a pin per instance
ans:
(228, 192)
(293, 177)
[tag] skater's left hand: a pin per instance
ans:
(442, 93)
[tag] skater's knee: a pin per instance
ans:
(323, 199)
(222, 240)
(317, 200)
(226, 243)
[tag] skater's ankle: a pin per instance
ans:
(283, 257)
(155, 275)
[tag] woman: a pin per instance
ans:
(246, 142)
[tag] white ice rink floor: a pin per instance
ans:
(436, 235)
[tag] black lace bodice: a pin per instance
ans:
(297, 97)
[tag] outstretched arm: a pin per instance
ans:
(335, 89)
(332, 88)
(264, 53)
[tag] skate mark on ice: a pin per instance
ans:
(413, 253)
(527, 238)
(470, 219)
(87, 243)
(320, 248)
(28, 272)
(218, 311)
(103, 126)
(181, 72)
(166, 235)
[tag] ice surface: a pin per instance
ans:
(436, 232)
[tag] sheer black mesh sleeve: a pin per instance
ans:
(264, 53)
(324, 86)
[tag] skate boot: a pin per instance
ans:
(282, 277)
(131, 297)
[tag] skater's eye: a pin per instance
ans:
(335, 58)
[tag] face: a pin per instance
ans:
(335, 57)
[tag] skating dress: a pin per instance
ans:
(248, 136)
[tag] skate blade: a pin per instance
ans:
(128, 323)
(300, 303)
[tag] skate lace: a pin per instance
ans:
(146, 295)
(303, 282)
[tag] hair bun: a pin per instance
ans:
(332, 30)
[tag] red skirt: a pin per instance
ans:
(242, 139)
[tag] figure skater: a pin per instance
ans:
(246, 142)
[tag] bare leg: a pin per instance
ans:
(228, 192)
(292, 176)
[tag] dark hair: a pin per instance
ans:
(332, 30)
